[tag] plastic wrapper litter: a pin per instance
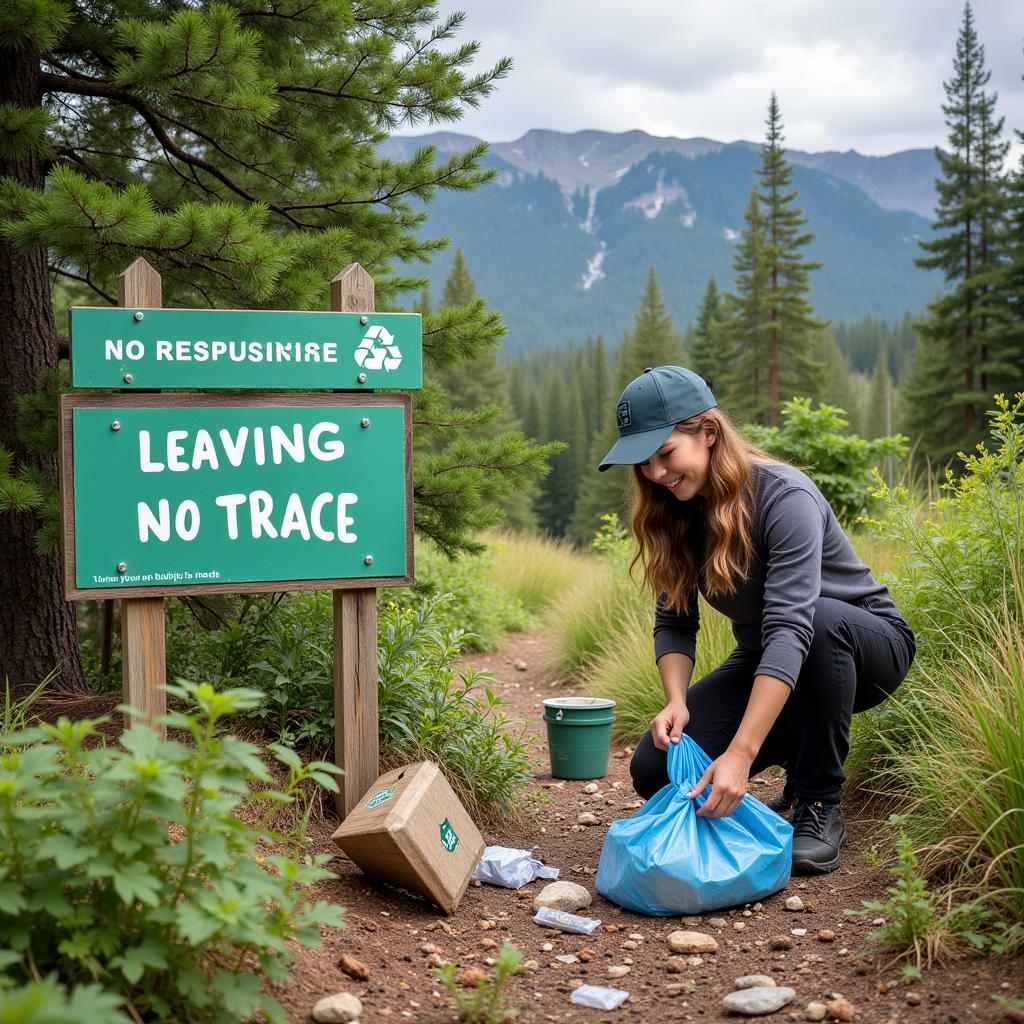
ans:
(548, 918)
(512, 869)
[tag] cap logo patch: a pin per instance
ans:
(622, 414)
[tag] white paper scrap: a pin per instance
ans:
(598, 997)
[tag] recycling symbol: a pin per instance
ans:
(378, 351)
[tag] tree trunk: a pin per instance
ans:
(37, 625)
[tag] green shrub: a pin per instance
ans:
(479, 610)
(949, 743)
(840, 464)
(127, 866)
(46, 1002)
(429, 710)
(968, 552)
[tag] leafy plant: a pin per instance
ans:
(46, 1002)
(429, 709)
(840, 464)
(481, 611)
(967, 552)
(915, 924)
(485, 1003)
(128, 867)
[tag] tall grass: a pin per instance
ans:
(959, 759)
(534, 570)
(623, 667)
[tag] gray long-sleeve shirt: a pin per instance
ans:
(800, 554)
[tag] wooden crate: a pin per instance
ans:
(409, 828)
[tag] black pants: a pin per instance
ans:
(855, 661)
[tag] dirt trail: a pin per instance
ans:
(387, 927)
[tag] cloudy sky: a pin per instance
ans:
(865, 75)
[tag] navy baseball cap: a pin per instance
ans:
(649, 409)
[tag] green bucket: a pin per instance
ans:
(579, 736)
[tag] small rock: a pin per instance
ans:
(469, 976)
(677, 965)
(337, 1009)
(567, 958)
(739, 925)
(815, 1011)
(841, 1009)
(691, 942)
(757, 907)
(586, 818)
(798, 932)
(781, 942)
(520, 666)
(913, 999)
(547, 947)
(636, 936)
(753, 1002)
(591, 787)
(610, 928)
(486, 926)
(717, 922)
(826, 935)
(674, 988)
(695, 961)
(586, 955)
(567, 896)
(754, 981)
(631, 944)
(353, 968)
(428, 947)
(794, 903)
(531, 965)
(618, 971)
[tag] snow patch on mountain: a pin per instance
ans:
(594, 271)
(590, 224)
(651, 203)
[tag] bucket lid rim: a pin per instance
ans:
(579, 703)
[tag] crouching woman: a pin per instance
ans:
(817, 637)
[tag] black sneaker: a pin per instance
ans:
(782, 804)
(818, 832)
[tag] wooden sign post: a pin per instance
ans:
(143, 619)
(181, 494)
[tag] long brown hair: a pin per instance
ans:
(663, 528)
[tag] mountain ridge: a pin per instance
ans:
(904, 180)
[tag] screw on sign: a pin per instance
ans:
(378, 351)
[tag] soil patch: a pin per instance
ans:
(388, 928)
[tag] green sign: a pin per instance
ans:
(222, 492)
(235, 349)
(449, 837)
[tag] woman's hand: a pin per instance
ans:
(728, 775)
(669, 724)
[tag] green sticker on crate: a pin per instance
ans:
(380, 796)
(449, 837)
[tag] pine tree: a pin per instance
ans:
(237, 151)
(879, 419)
(793, 330)
(959, 361)
(706, 355)
(653, 341)
(743, 329)
(1007, 336)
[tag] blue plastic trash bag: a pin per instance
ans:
(666, 861)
